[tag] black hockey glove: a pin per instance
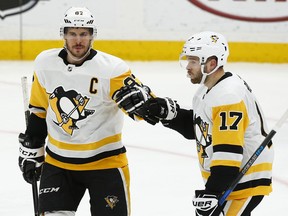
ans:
(161, 108)
(131, 99)
(206, 204)
(31, 157)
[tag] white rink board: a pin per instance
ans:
(153, 20)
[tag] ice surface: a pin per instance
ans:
(163, 165)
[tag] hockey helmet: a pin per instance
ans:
(78, 17)
(204, 45)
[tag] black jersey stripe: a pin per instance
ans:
(263, 132)
(253, 183)
(85, 160)
(228, 148)
(36, 107)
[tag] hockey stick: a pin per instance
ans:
(253, 158)
(27, 113)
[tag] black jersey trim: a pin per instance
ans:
(226, 75)
(228, 148)
(41, 108)
(63, 54)
(263, 132)
(253, 184)
(85, 160)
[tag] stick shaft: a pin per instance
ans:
(24, 85)
(253, 158)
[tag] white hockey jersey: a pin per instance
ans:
(229, 126)
(84, 123)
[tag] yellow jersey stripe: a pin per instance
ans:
(259, 168)
(83, 147)
(260, 190)
(116, 161)
(253, 169)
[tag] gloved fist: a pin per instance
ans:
(162, 108)
(31, 157)
(130, 98)
(206, 203)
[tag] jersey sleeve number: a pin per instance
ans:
(230, 120)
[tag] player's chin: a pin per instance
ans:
(194, 81)
(79, 53)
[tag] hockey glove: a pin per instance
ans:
(162, 108)
(131, 99)
(31, 157)
(206, 204)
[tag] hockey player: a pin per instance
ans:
(227, 123)
(72, 105)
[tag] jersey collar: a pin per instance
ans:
(63, 54)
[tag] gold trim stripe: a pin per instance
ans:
(147, 50)
(84, 147)
(106, 163)
(259, 168)
(259, 190)
(253, 169)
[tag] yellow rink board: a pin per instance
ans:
(148, 50)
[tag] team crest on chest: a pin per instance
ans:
(69, 108)
(203, 138)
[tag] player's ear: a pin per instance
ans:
(212, 62)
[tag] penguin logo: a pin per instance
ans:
(203, 138)
(111, 201)
(214, 38)
(69, 108)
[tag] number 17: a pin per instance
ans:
(237, 116)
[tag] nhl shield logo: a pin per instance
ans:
(13, 7)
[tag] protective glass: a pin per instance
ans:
(186, 61)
